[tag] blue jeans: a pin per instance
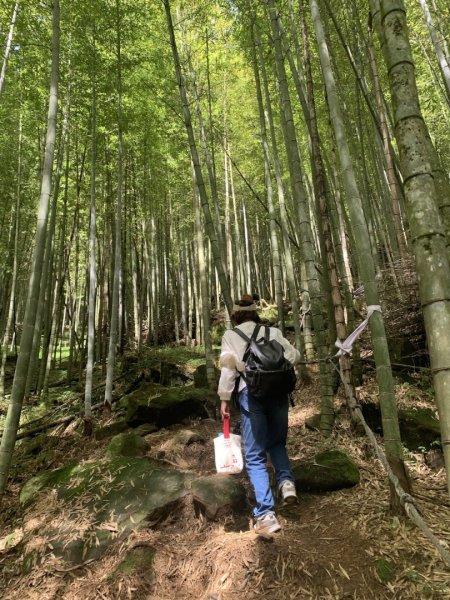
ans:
(264, 430)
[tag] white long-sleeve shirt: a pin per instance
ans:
(232, 353)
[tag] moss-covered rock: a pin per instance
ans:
(289, 324)
(168, 407)
(200, 379)
(127, 444)
(172, 375)
(57, 377)
(145, 429)
(111, 429)
(181, 439)
(313, 423)
(419, 428)
(331, 470)
(87, 547)
(218, 495)
(36, 444)
(144, 393)
(137, 561)
(121, 493)
(47, 457)
(47, 479)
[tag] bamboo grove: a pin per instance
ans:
(159, 158)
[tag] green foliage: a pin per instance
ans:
(385, 569)
(137, 560)
(214, 44)
(190, 357)
(126, 444)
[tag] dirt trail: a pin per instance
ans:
(327, 548)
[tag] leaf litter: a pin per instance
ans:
(327, 549)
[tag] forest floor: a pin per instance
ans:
(328, 548)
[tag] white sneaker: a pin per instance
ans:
(288, 493)
(267, 524)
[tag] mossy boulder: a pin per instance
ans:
(144, 393)
(111, 497)
(172, 375)
(46, 479)
(182, 438)
(289, 324)
(218, 495)
(90, 546)
(145, 429)
(331, 470)
(313, 423)
(137, 561)
(47, 457)
(110, 430)
(167, 407)
(419, 428)
(127, 444)
(57, 377)
(200, 379)
(36, 445)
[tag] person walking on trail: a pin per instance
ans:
(264, 420)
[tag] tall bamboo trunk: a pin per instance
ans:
(204, 308)
(238, 250)
(366, 266)
(12, 295)
(8, 46)
(306, 234)
(441, 180)
(209, 225)
(324, 201)
(63, 266)
(92, 271)
(114, 319)
(269, 191)
(395, 189)
(18, 388)
(427, 232)
(284, 221)
(208, 155)
(444, 65)
(44, 299)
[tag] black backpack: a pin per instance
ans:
(268, 374)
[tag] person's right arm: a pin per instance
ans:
(290, 352)
(228, 374)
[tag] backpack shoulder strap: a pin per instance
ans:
(242, 335)
(255, 332)
(266, 333)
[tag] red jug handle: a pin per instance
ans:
(226, 427)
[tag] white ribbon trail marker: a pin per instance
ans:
(345, 347)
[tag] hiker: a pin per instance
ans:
(264, 421)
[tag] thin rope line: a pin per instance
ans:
(406, 500)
